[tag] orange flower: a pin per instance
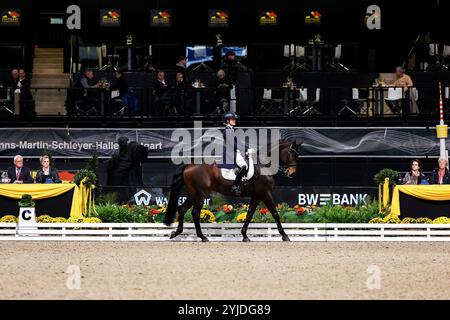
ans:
(153, 211)
(227, 208)
(263, 210)
(299, 209)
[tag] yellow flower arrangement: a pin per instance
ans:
(376, 220)
(207, 215)
(8, 219)
(441, 220)
(409, 220)
(163, 209)
(424, 220)
(241, 217)
(59, 220)
(391, 219)
(92, 220)
(44, 219)
(75, 220)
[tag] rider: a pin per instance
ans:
(238, 160)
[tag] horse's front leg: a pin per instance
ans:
(268, 201)
(251, 211)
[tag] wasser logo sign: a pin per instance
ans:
(344, 199)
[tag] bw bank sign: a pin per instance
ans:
(320, 199)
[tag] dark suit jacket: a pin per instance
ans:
(53, 174)
(435, 177)
(25, 175)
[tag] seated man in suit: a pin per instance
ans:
(19, 173)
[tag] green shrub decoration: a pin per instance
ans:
(386, 173)
(91, 177)
(26, 201)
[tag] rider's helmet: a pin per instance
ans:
(229, 115)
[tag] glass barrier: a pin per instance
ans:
(196, 98)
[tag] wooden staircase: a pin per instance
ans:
(48, 73)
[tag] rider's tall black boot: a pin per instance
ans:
(236, 188)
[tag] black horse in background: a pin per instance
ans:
(125, 166)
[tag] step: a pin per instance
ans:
(48, 70)
(49, 59)
(49, 94)
(51, 83)
(47, 49)
(48, 55)
(48, 64)
(50, 108)
(60, 76)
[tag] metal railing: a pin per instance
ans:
(295, 101)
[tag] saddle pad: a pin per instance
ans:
(229, 174)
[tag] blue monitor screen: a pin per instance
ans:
(198, 54)
(241, 51)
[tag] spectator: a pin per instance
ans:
(12, 84)
(162, 93)
(415, 176)
(26, 98)
(47, 174)
(180, 93)
(180, 67)
(120, 84)
(19, 173)
(403, 80)
(409, 103)
(88, 80)
(222, 92)
(14, 79)
(441, 175)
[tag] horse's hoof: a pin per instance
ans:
(205, 239)
(173, 234)
(285, 238)
(246, 240)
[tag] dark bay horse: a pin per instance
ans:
(199, 180)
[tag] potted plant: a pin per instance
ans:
(27, 201)
(27, 214)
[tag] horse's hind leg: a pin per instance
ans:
(251, 210)
(196, 215)
(181, 212)
(268, 201)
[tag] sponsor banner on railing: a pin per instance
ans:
(317, 142)
(305, 196)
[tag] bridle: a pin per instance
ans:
(285, 169)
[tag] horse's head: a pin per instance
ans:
(288, 157)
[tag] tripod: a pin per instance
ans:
(111, 64)
(147, 65)
(3, 106)
(203, 67)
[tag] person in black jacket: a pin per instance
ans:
(47, 174)
(440, 175)
(180, 67)
(120, 84)
(161, 93)
(222, 91)
(19, 173)
(26, 98)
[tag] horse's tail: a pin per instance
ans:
(177, 184)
